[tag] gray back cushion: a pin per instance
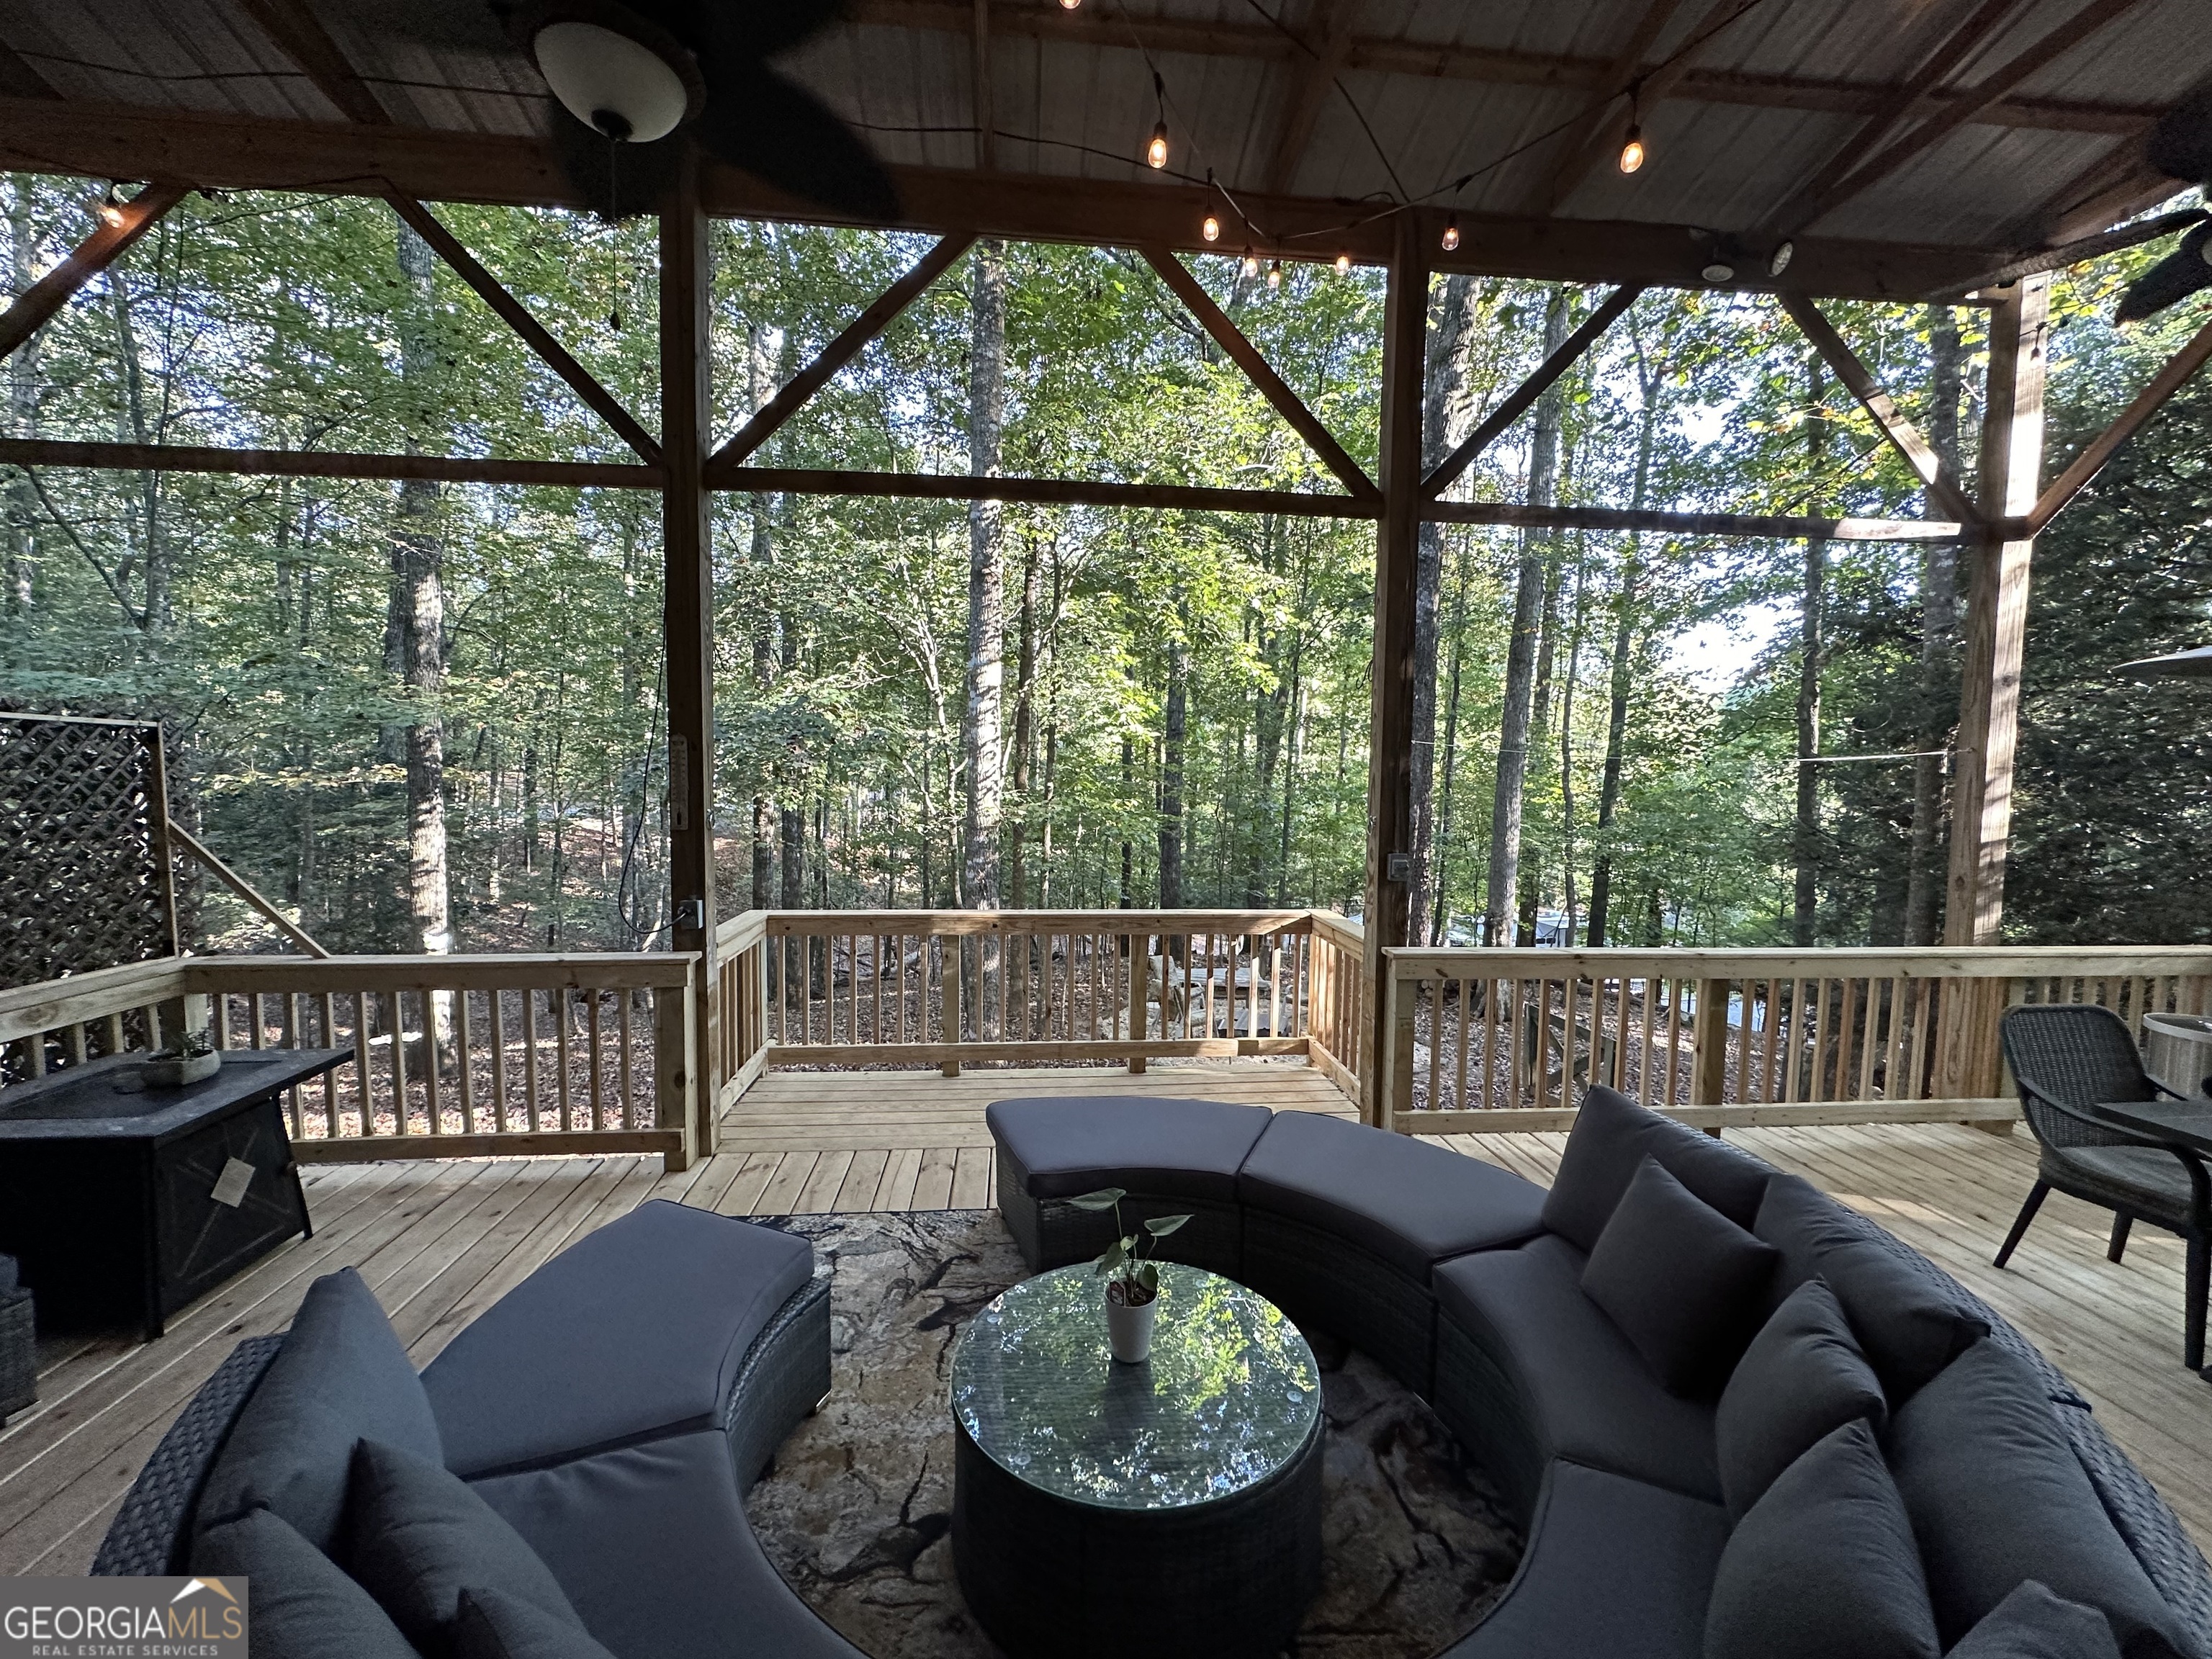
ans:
(1683, 1282)
(340, 1378)
(493, 1626)
(1612, 1136)
(1998, 1498)
(1802, 1378)
(1909, 1325)
(302, 1605)
(2032, 1623)
(1823, 1566)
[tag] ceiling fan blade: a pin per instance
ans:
(2174, 278)
(757, 120)
(761, 28)
(2180, 145)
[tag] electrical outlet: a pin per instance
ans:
(1399, 867)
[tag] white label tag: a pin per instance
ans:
(230, 1186)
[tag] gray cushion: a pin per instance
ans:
(652, 1546)
(638, 1329)
(1613, 1568)
(2032, 1623)
(1686, 1284)
(340, 1378)
(1909, 1323)
(1802, 1378)
(302, 1606)
(1411, 1204)
(1823, 1566)
(1587, 1391)
(1998, 1498)
(1612, 1136)
(419, 1535)
(1140, 1143)
(494, 1626)
(2153, 1182)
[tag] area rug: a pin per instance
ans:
(856, 1510)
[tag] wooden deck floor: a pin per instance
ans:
(439, 1242)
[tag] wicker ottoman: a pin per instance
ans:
(19, 1345)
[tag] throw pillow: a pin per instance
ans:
(420, 1534)
(1997, 1498)
(340, 1378)
(1823, 1566)
(2032, 1623)
(1612, 1136)
(302, 1605)
(1909, 1324)
(493, 1624)
(1802, 1378)
(1685, 1283)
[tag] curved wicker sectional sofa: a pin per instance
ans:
(611, 1409)
(1466, 1282)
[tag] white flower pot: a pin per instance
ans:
(1129, 1330)
(172, 1072)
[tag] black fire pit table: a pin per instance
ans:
(124, 1203)
(1170, 1508)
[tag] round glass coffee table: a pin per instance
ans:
(1168, 1508)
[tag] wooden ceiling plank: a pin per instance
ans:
(1247, 356)
(1519, 401)
(2179, 368)
(983, 102)
(1990, 88)
(18, 79)
(1330, 41)
(512, 312)
(302, 37)
(327, 464)
(1943, 491)
(108, 243)
(796, 391)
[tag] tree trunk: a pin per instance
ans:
(1025, 731)
(1520, 655)
(1440, 921)
(1805, 837)
(1539, 734)
(1444, 412)
(1939, 630)
(18, 578)
(987, 412)
(1567, 746)
(418, 603)
(1129, 789)
(1171, 754)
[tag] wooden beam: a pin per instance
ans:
(321, 464)
(687, 616)
(1247, 356)
(2078, 251)
(1619, 74)
(244, 889)
(2171, 379)
(1986, 91)
(1756, 524)
(1048, 492)
(244, 153)
(302, 38)
(1328, 39)
(1943, 492)
(1996, 617)
(512, 312)
(106, 244)
(1390, 716)
(1524, 396)
(802, 386)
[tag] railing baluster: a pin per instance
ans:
(497, 1000)
(397, 1030)
(433, 1060)
(532, 1094)
(558, 1006)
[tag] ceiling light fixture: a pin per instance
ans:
(1451, 233)
(1717, 272)
(1778, 261)
(1069, 5)
(624, 77)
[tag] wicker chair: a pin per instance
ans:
(2066, 1058)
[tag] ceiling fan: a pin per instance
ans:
(2180, 146)
(632, 73)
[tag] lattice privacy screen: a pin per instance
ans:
(82, 882)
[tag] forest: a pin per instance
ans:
(429, 717)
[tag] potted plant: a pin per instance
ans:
(192, 1059)
(1131, 1275)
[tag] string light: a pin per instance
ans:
(1451, 233)
(1631, 152)
(1211, 229)
(1157, 152)
(1274, 273)
(1069, 5)
(1343, 264)
(1251, 261)
(110, 210)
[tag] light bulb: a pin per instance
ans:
(110, 210)
(1157, 152)
(1274, 273)
(1211, 229)
(1251, 263)
(1631, 152)
(1718, 271)
(1451, 234)
(1069, 5)
(1343, 264)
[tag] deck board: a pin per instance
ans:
(439, 1243)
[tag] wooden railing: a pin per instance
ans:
(1506, 1039)
(954, 987)
(449, 1056)
(1336, 1018)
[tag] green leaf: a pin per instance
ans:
(1117, 1253)
(1104, 1198)
(1161, 1225)
(1148, 1275)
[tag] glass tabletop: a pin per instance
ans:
(1230, 1395)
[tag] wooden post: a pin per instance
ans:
(1393, 1070)
(952, 961)
(1709, 1045)
(1139, 990)
(677, 1083)
(687, 623)
(1390, 731)
(1989, 697)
